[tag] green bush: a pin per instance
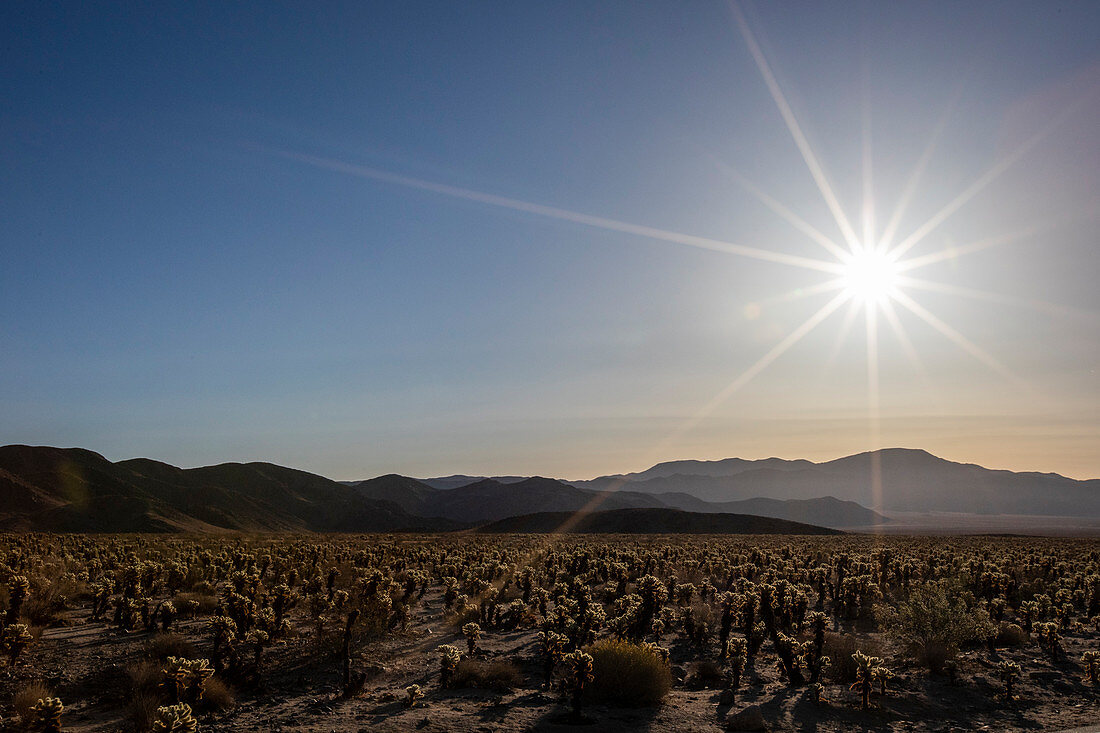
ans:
(626, 673)
(934, 622)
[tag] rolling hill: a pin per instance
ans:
(488, 499)
(649, 521)
(71, 489)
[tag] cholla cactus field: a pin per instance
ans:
(459, 632)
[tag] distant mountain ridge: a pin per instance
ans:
(912, 480)
(488, 500)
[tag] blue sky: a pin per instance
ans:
(180, 282)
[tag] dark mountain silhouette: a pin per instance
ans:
(459, 480)
(827, 511)
(649, 521)
(489, 499)
(912, 481)
(70, 489)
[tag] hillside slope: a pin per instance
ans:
(76, 490)
(649, 521)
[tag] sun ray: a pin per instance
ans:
(796, 221)
(749, 374)
(795, 129)
(910, 351)
(868, 208)
(801, 293)
(1041, 306)
(961, 341)
(597, 222)
(874, 416)
(949, 253)
(842, 334)
(986, 178)
(922, 163)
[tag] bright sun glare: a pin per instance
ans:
(870, 276)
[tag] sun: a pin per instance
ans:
(870, 276)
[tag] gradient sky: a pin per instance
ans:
(195, 270)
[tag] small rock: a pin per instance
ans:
(751, 718)
(726, 698)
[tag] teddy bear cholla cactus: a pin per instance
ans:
(865, 676)
(46, 715)
(185, 679)
(449, 657)
(14, 640)
(1009, 672)
(175, 719)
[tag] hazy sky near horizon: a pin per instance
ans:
(361, 238)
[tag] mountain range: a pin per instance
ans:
(912, 480)
(71, 489)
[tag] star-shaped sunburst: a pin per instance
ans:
(871, 272)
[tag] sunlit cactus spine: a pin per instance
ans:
(14, 640)
(1009, 673)
(552, 646)
(865, 677)
(18, 590)
(472, 632)
(581, 665)
(412, 694)
(175, 719)
(449, 657)
(736, 654)
(1091, 661)
(46, 715)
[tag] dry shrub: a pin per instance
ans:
(217, 695)
(145, 676)
(163, 646)
(143, 709)
(706, 673)
(629, 674)
(208, 602)
(487, 675)
(840, 648)
(26, 697)
(43, 609)
(1011, 635)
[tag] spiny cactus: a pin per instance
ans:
(882, 676)
(14, 640)
(175, 719)
(18, 590)
(865, 676)
(412, 694)
(185, 679)
(472, 632)
(581, 664)
(46, 715)
(1091, 660)
(1009, 673)
(735, 653)
(449, 657)
(552, 645)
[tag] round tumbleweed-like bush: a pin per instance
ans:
(628, 674)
